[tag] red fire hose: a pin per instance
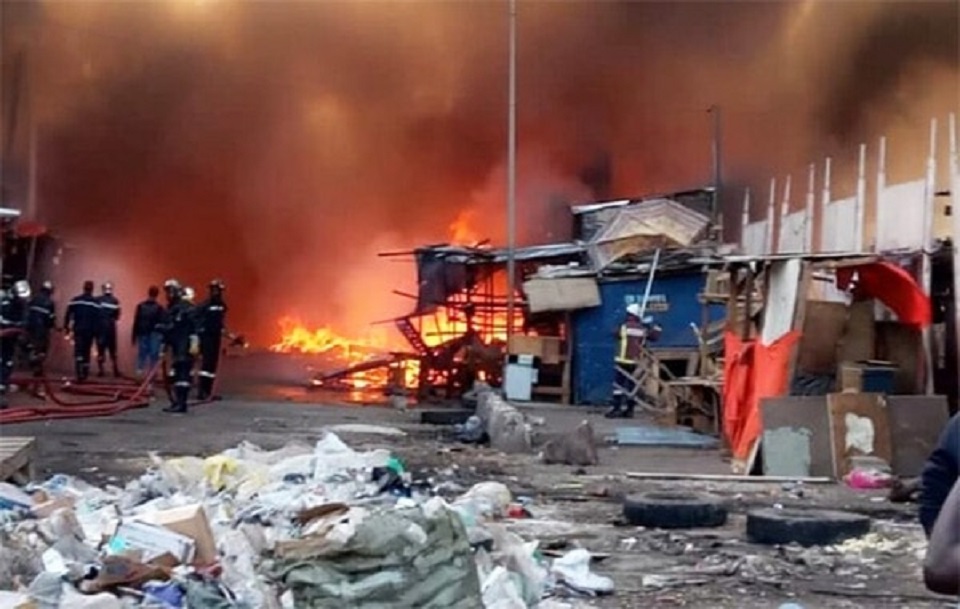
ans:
(104, 398)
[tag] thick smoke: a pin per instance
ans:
(280, 145)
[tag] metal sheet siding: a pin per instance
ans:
(673, 303)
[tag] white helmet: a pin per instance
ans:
(21, 289)
(107, 287)
(634, 310)
(188, 294)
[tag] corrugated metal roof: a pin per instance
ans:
(648, 225)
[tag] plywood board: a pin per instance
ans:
(859, 425)
(901, 345)
(781, 301)
(916, 422)
(16, 458)
(822, 330)
(859, 335)
(565, 294)
(796, 417)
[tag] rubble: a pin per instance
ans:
(300, 526)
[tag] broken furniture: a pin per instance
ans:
(17, 454)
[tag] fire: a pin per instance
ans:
(461, 229)
(296, 337)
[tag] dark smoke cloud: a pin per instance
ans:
(281, 144)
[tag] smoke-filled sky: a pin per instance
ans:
(280, 145)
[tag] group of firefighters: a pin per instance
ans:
(181, 329)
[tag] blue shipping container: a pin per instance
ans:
(674, 304)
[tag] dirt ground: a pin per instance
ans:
(570, 506)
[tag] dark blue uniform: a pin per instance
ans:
(939, 474)
(210, 315)
(41, 319)
(13, 312)
(83, 319)
(180, 330)
(107, 332)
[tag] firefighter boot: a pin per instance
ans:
(179, 406)
(100, 367)
(617, 408)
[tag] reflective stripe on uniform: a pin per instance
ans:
(182, 384)
(208, 375)
(216, 308)
(85, 303)
(109, 305)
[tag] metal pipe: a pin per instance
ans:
(512, 171)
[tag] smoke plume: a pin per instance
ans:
(279, 145)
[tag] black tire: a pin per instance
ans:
(446, 416)
(674, 510)
(805, 527)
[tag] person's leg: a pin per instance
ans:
(112, 350)
(143, 355)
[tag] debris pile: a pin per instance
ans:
(300, 526)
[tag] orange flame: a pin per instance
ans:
(461, 229)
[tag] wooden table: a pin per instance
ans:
(17, 454)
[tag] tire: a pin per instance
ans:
(805, 527)
(674, 510)
(446, 416)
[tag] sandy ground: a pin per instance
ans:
(571, 506)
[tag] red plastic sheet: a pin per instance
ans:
(893, 286)
(752, 371)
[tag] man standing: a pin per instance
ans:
(633, 336)
(180, 330)
(146, 333)
(107, 334)
(211, 315)
(83, 321)
(41, 319)
(13, 310)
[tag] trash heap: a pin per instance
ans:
(296, 527)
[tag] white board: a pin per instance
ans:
(839, 226)
(784, 277)
(755, 238)
(793, 233)
(900, 216)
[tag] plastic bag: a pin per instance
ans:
(573, 570)
(500, 591)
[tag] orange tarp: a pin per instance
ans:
(752, 371)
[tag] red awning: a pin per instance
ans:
(893, 286)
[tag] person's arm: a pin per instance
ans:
(939, 474)
(135, 329)
(941, 567)
(68, 317)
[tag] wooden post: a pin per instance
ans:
(771, 246)
(926, 262)
(809, 220)
(862, 194)
(745, 222)
(955, 221)
(824, 214)
(784, 212)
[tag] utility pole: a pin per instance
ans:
(512, 171)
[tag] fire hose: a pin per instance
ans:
(104, 399)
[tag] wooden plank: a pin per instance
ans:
(859, 425)
(16, 458)
(859, 334)
(822, 332)
(727, 478)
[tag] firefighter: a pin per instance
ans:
(210, 314)
(634, 333)
(107, 332)
(13, 312)
(41, 319)
(182, 343)
(146, 332)
(82, 320)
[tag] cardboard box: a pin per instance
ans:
(149, 541)
(189, 521)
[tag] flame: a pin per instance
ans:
(461, 229)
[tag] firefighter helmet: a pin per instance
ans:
(633, 310)
(188, 294)
(217, 284)
(47, 286)
(107, 287)
(21, 289)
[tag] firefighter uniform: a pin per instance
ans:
(211, 315)
(41, 319)
(13, 309)
(182, 343)
(83, 320)
(107, 331)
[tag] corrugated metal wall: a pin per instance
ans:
(674, 303)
